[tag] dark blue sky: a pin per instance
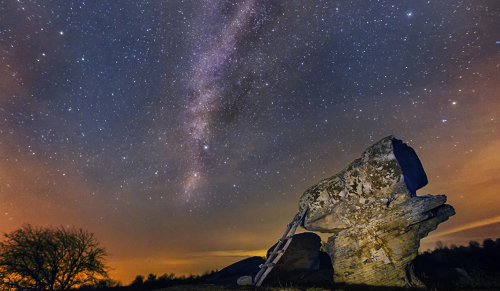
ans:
(182, 133)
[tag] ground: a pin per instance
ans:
(207, 287)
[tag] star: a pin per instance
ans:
(244, 101)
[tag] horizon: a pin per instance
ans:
(228, 258)
(223, 259)
(182, 135)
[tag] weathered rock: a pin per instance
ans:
(302, 254)
(302, 263)
(244, 280)
(375, 215)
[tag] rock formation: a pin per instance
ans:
(375, 216)
(302, 254)
(302, 263)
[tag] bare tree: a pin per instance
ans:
(50, 259)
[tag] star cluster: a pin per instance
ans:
(155, 123)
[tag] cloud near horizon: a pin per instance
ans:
(194, 263)
(231, 254)
(467, 226)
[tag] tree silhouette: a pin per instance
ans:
(474, 244)
(50, 259)
(138, 281)
(151, 278)
(469, 267)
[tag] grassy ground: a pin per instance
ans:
(250, 288)
(205, 287)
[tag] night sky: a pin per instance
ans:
(182, 133)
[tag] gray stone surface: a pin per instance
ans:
(376, 222)
(244, 280)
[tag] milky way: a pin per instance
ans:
(210, 64)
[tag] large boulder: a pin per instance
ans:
(376, 219)
(302, 253)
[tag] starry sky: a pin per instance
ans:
(182, 133)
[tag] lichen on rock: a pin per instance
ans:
(375, 216)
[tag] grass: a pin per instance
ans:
(248, 288)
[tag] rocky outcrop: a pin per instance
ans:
(302, 263)
(374, 214)
(302, 254)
